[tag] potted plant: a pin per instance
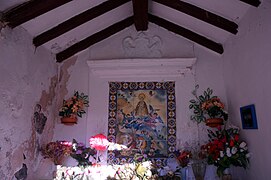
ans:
(56, 151)
(73, 107)
(207, 108)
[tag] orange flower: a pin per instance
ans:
(74, 106)
(74, 109)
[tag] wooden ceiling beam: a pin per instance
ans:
(77, 21)
(187, 34)
(95, 38)
(255, 3)
(140, 8)
(201, 14)
(29, 10)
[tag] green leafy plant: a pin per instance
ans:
(206, 106)
(74, 106)
(81, 153)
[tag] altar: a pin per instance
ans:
(122, 172)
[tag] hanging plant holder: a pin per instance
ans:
(214, 122)
(69, 120)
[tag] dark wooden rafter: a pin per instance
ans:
(95, 38)
(201, 14)
(255, 3)
(29, 10)
(77, 21)
(187, 34)
(140, 8)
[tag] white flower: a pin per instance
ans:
(221, 154)
(77, 170)
(69, 172)
(146, 164)
(234, 150)
(248, 155)
(148, 173)
(228, 151)
(242, 145)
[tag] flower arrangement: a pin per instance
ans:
(184, 157)
(140, 168)
(56, 151)
(74, 106)
(81, 153)
(225, 149)
(206, 106)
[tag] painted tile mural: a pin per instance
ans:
(142, 117)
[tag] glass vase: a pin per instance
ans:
(184, 172)
(199, 169)
(226, 175)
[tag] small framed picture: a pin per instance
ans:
(248, 116)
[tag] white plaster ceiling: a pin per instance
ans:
(232, 10)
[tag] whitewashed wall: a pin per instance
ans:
(27, 77)
(247, 81)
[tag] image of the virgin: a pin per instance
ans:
(141, 107)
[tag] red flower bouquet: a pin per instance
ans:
(225, 149)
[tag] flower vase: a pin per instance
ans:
(199, 169)
(226, 175)
(58, 160)
(184, 172)
(69, 120)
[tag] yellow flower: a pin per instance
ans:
(74, 109)
(141, 170)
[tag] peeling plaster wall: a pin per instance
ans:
(247, 80)
(28, 76)
(154, 43)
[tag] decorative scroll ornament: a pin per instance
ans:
(142, 46)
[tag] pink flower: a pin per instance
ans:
(99, 142)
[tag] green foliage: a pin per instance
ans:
(81, 153)
(206, 106)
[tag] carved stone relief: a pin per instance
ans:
(142, 46)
